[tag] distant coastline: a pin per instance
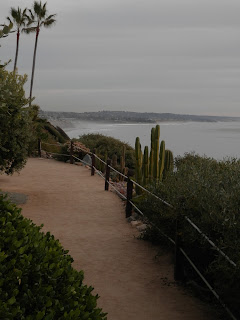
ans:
(67, 119)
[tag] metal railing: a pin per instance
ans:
(179, 252)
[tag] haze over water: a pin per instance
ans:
(213, 139)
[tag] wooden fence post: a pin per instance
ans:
(39, 148)
(178, 259)
(129, 197)
(71, 152)
(93, 162)
(107, 176)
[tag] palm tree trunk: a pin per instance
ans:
(33, 66)
(16, 55)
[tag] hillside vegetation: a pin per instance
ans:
(207, 191)
(110, 147)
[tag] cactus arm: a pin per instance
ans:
(145, 167)
(138, 167)
(161, 159)
(156, 153)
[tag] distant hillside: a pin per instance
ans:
(125, 116)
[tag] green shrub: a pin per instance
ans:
(15, 122)
(37, 280)
(109, 145)
(208, 192)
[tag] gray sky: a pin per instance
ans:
(180, 56)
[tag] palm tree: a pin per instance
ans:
(19, 18)
(40, 18)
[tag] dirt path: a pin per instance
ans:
(90, 222)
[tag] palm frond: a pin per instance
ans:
(18, 16)
(51, 16)
(30, 22)
(37, 7)
(29, 30)
(48, 23)
(14, 13)
(30, 18)
(31, 14)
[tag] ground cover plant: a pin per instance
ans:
(37, 280)
(208, 192)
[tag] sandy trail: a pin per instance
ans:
(90, 222)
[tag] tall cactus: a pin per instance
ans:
(151, 158)
(161, 159)
(138, 167)
(145, 167)
(152, 137)
(156, 152)
(151, 164)
(155, 166)
(168, 165)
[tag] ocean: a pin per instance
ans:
(213, 139)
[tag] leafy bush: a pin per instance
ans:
(109, 145)
(37, 280)
(208, 192)
(15, 122)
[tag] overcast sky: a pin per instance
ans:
(180, 56)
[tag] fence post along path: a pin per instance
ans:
(107, 174)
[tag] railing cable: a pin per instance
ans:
(210, 241)
(59, 154)
(52, 144)
(121, 174)
(163, 201)
(87, 164)
(207, 284)
(111, 185)
(100, 159)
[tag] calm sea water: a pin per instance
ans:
(217, 140)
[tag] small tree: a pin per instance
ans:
(15, 122)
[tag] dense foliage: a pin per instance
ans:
(37, 280)
(104, 144)
(15, 122)
(208, 192)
